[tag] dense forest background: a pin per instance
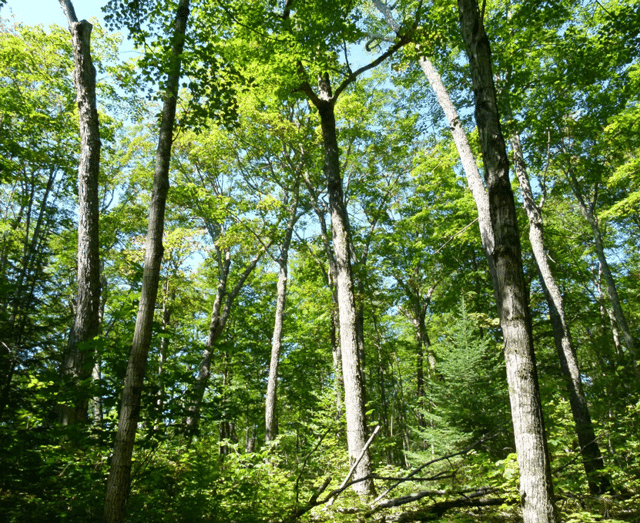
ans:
(279, 238)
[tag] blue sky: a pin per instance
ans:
(47, 12)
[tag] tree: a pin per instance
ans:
(589, 448)
(79, 358)
(536, 487)
(118, 483)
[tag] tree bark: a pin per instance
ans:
(536, 488)
(119, 480)
(276, 343)
(351, 364)
(592, 458)
(78, 362)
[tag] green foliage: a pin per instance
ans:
(569, 73)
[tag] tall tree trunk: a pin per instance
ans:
(276, 342)
(467, 158)
(78, 362)
(536, 488)
(351, 365)
(592, 458)
(119, 480)
(589, 215)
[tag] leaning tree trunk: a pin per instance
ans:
(592, 458)
(119, 480)
(612, 290)
(467, 158)
(351, 371)
(78, 361)
(219, 316)
(536, 488)
(276, 343)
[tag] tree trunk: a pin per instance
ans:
(78, 362)
(219, 316)
(168, 296)
(276, 343)
(612, 290)
(351, 365)
(119, 480)
(467, 158)
(331, 277)
(536, 488)
(592, 458)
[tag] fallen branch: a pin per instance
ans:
(436, 511)
(467, 494)
(462, 452)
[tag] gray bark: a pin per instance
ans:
(78, 361)
(536, 488)
(592, 457)
(119, 480)
(276, 343)
(351, 364)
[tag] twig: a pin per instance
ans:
(455, 236)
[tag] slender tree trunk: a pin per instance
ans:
(276, 343)
(536, 488)
(383, 410)
(78, 362)
(467, 158)
(336, 352)
(351, 365)
(96, 373)
(592, 458)
(168, 295)
(219, 316)
(119, 480)
(331, 277)
(612, 290)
